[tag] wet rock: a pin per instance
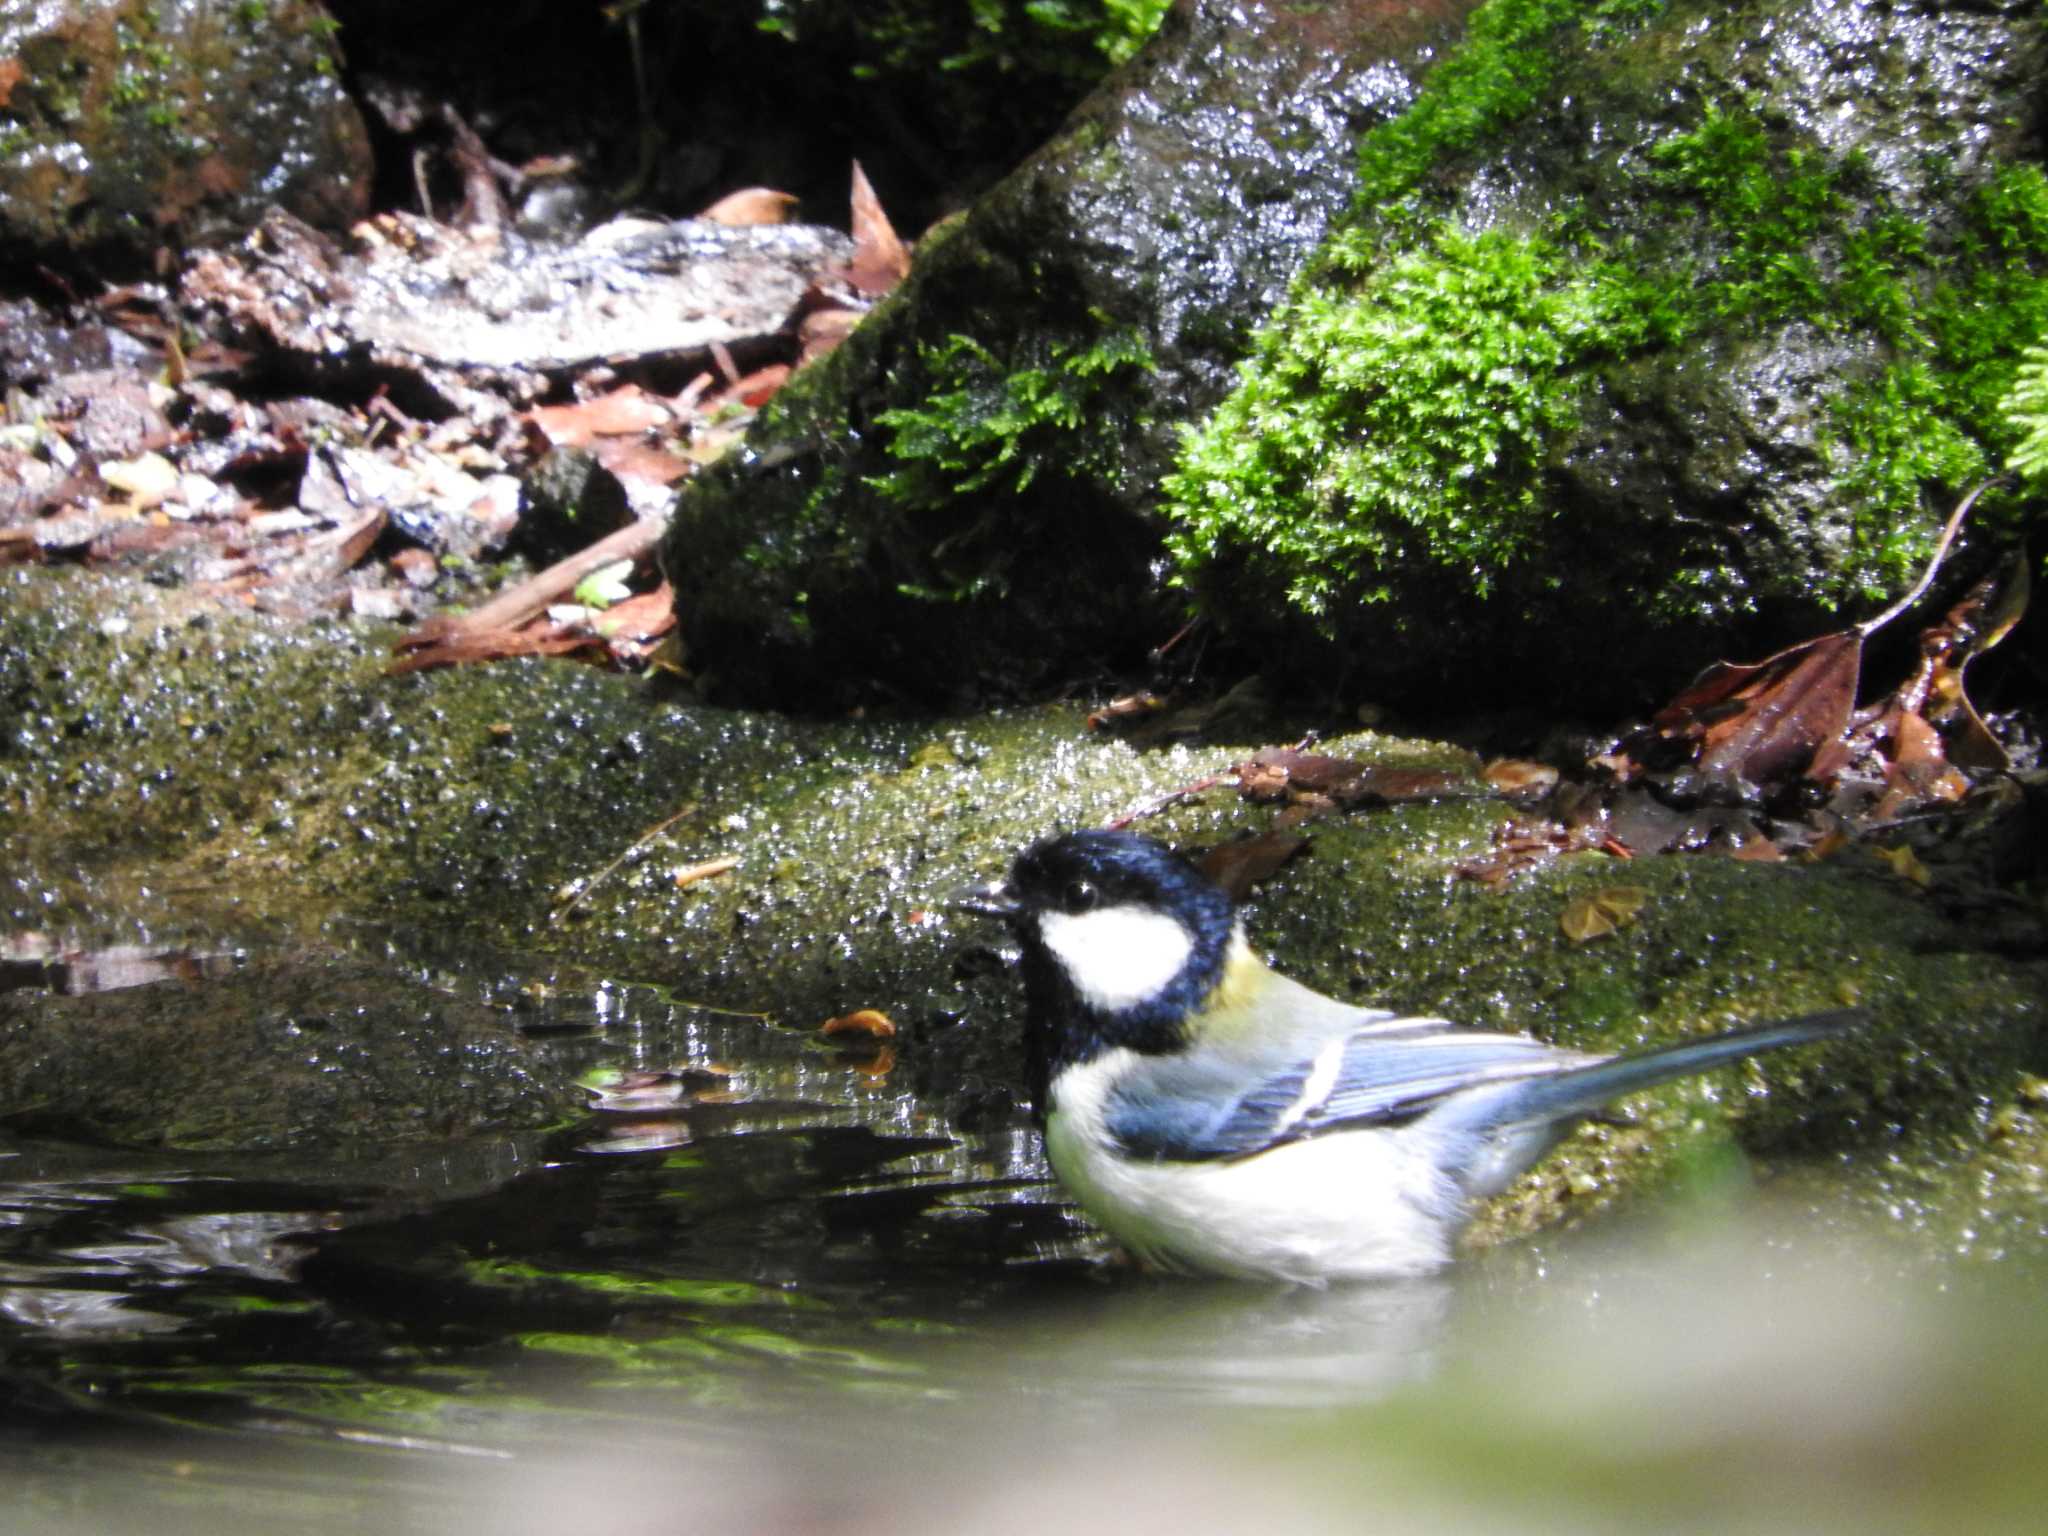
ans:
(114, 414)
(36, 345)
(465, 321)
(285, 1055)
(1716, 316)
(958, 500)
(127, 126)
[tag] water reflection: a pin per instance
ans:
(759, 1287)
(1165, 1344)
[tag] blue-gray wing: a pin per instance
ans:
(1194, 1108)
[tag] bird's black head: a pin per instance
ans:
(1123, 939)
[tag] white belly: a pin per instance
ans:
(1346, 1206)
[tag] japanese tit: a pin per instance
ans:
(1217, 1118)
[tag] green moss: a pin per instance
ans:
(986, 428)
(1016, 38)
(1499, 74)
(1397, 413)
(1426, 394)
(1936, 415)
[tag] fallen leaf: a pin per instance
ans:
(752, 205)
(756, 389)
(872, 1022)
(1127, 707)
(466, 647)
(635, 459)
(1984, 616)
(1905, 863)
(1762, 723)
(1918, 771)
(624, 412)
(1520, 778)
(880, 260)
(1599, 913)
(1520, 845)
(605, 585)
(451, 639)
(1756, 850)
(1239, 865)
(820, 331)
(647, 616)
(1276, 772)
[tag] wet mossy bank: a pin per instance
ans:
(1628, 332)
(220, 779)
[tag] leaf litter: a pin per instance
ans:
(303, 425)
(1762, 761)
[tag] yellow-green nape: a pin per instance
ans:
(1231, 1007)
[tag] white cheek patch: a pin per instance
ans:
(1117, 956)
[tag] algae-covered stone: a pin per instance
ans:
(235, 783)
(282, 1056)
(957, 501)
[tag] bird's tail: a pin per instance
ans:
(1581, 1090)
(1518, 1121)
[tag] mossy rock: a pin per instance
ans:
(128, 126)
(1684, 323)
(959, 503)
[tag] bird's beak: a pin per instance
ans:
(991, 900)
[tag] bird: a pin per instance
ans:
(1217, 1118)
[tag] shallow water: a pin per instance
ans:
(757, 1292)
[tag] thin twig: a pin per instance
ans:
(1172, 797)
(595, 880)
(531, 596)
(1870, 627)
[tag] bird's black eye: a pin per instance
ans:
(1082, 895)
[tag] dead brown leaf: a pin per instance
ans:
(1790, 716)
(491, 632)
(625, 412)
(756, 389)
(1519, 778)
(880, 260)
(1520, 845)
(1277, 772)
(820, 331)
(1124, 708)
(1984, 616)
(643, 616)
(1600, 913)
(872, 1022)
(752, 205)
(1239, 865)
(1779, 718)
(635, 459)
